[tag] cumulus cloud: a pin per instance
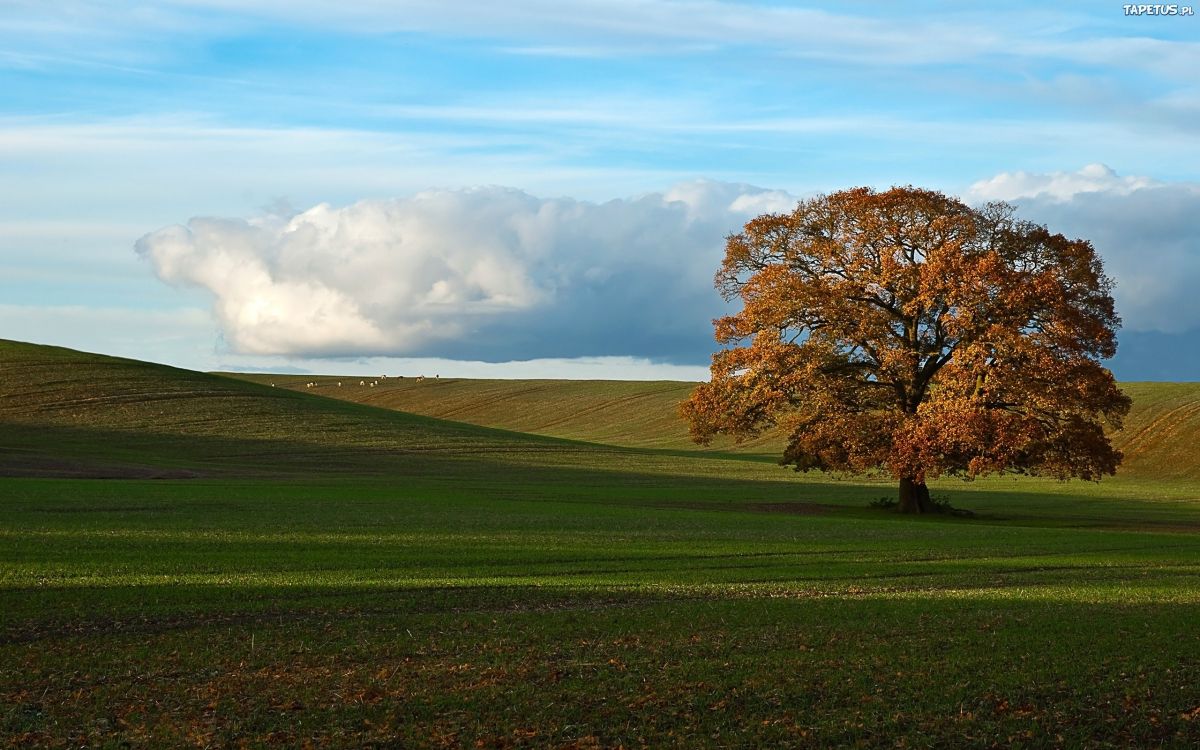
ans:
(496, 274)
(1145, 230)
(1060, 186)
(486, 273)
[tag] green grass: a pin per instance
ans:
(264, 567)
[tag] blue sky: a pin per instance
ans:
(335, 186)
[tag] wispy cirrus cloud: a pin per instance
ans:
(594, 27)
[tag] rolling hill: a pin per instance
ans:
(1159, 438)
(69, 413)
(636, 414)
(64, 412)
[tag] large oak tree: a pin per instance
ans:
(906, 331)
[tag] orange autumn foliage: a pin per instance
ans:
(908, 331)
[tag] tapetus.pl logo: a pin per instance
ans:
(1158, 10)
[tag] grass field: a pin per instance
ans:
(194, 560)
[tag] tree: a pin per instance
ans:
(904, 330)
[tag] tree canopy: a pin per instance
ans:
(904, 330)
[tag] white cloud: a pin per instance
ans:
(1144, 229)
(485, 273)
(497, 274)
(1093, 178)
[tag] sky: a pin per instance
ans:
(542, 189)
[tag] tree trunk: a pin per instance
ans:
(914, 496)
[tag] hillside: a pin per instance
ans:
(640, 414)
(69, 413)
(1159, 437)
